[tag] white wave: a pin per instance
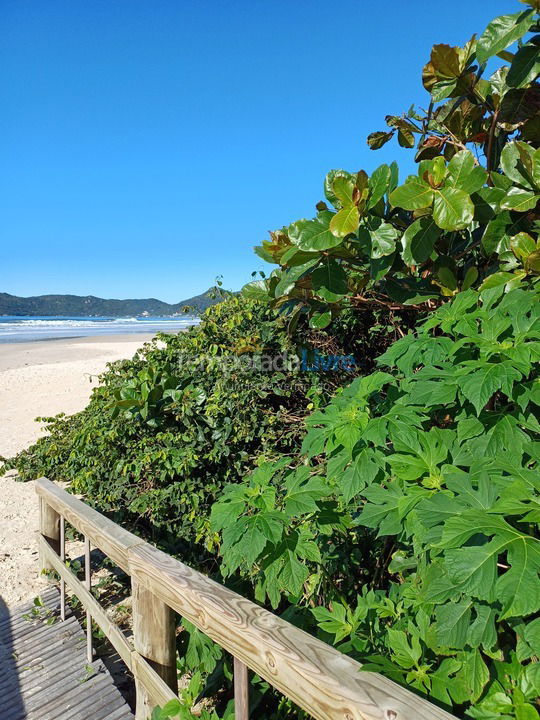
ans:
(26, 328)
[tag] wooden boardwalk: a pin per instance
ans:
(44, 674)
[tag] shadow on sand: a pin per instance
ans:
(10, 691)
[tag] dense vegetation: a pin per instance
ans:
(88, 305)
(397, 515)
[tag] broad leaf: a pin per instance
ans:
(452, 209)
(502, 32)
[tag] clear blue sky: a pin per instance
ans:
(147, 145)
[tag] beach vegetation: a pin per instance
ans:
(394, 510)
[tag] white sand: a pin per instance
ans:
(40, 379)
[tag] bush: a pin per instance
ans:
(165, 431)
(411, 520)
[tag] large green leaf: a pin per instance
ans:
(311, 235)
(256, 290)
(415, 194)
(502, 32)
(291, 275)
(343, 187)
(512, 163)
(419, 240)
(453, 209)
(480, 384)
(329, 280)
(525, 66)
(520, 200)
(383, 240)
(345, 221)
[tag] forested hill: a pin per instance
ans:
(78, 306)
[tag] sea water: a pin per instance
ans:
(25, 328)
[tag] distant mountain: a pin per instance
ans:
(79, 306)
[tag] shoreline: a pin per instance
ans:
(58, 350)
(41, 379)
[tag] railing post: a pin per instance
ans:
(49, 527)
(154, 633)
(241, 690)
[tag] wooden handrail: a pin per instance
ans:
(326, 683)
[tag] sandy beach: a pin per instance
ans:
(37, 379)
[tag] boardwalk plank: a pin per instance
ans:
(44, 672)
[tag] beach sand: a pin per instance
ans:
(40, 379)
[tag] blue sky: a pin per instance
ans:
(148, 145)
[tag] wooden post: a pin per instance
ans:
(241, 688)
(88, 585)
(63, 559)
(49, 527)
(154, 633)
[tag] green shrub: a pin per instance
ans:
(411, 519)
(166, 430)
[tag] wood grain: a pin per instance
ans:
(49, 528)
(321, 680)
(241, 691)
(154, 632)
(110, 629)
(104, 534)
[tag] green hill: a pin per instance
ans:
(86, 306)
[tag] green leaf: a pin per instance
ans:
(383, 240)
(294, 574)
(525, 66)
(502, 32)
(345, 221)
(320, 320)
(522, 245)
(419, 240)
(413, 195)
(313, 235)
(463, 174)
(520, 200)
(485, 380)
(512, 163)
(378, 185)
(361, 472)
(407, 654)
(290, 276)
(475, 673)
(453, 620)
(496, 280)
(376, 140)
(329, 280)
(343, 187)
(452, 209)
(256, 290)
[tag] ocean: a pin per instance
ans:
(24, 329)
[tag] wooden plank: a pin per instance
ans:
(63, 559)
(158, 690)
(88, 586)
(106, 535)
(49, 527)
(115, 636)
(320, 679)
(241, 691)
(47, 678)
(154, 634)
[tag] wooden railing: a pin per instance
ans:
(318, 678)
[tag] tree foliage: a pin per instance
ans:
(407, 531)
(470, 211)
